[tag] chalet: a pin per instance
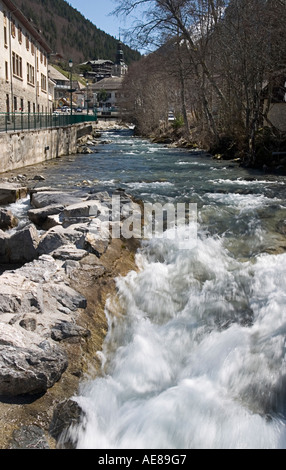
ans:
(101, 69)
(24, 54)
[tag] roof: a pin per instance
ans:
(55, 74)
(25, 22)
(98, 62)
(110, 83)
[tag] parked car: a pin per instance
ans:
(79, 110)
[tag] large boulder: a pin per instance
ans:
(7, 220)
(30, 371)
(22, 245)
(19, 247)
(11, 193)
(58, 237)
(39, 216)
(25, 366)
(51, 198)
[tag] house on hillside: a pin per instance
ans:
(101, 69)
(24, 54)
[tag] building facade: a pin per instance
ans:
(24, 54)
(107, 93)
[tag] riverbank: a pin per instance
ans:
(53, 301)
(270, 149)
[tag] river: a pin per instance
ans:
(195, 354)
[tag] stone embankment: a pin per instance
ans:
(57, 272)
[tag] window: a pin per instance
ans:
(27, 43)
(20, 36)
(30, 74)
(5, 37)
(15, 103)
(13, 28)
(41, 56)
(5, 28)
(33, 48)
(22, 105)
(17, 65)
(29, 107)
(6, 72)
(43, 82)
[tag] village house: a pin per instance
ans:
(24, 54)
(62, 86)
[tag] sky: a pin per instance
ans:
(97, 11)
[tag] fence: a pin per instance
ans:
(31, 121)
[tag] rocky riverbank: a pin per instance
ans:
(56, 274)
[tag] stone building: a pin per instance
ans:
(24, 53)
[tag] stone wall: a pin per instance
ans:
(20, 149)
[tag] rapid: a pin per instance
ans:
(195, 353)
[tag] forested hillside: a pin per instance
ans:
(69, 33)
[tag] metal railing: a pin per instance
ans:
(31, 121)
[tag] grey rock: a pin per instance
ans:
(3, 243)
(67, 330)
(28, 323)
(69, 252)
(58, 237)
(26, 371)
(51, 198)
(22, 245)
(82, 209)
(7, 220)
(39, 178)
(10, 193)
(29, 437)
(66, 415)
(68, 300)
(39, 216)
(96, 245)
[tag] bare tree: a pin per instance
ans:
(225, 53)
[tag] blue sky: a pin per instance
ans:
(97, 11)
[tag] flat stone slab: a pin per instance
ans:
(11, 193)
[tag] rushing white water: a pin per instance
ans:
(200, 360)
(195, 354)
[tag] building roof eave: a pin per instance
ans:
(25, 22)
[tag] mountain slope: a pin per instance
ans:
(69, 33)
